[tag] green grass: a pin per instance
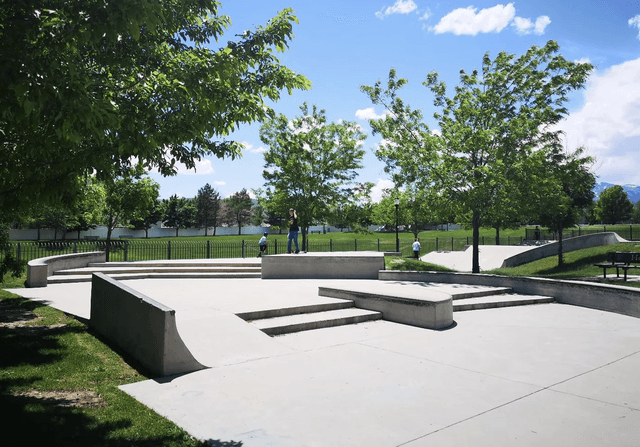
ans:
(59, 385)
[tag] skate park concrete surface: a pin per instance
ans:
(552, 374)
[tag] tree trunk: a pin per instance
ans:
(475, 268)
(497, 235)
(560, 257)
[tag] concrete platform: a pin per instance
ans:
(330, 265)
(552, 375)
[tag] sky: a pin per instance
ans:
(341, 45)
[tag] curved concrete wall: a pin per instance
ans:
(618, 299)
(570, 244)
(38, 270)
(140, 326)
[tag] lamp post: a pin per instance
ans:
(397, 202)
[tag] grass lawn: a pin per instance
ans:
(59, 384)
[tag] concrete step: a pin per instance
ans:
(59, 279)
(181, 263)
(307, 321)
(486, 291)
(112, 270)
(495, 301)
(297, 310)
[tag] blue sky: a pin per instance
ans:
(340, 45)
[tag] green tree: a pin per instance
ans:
(208, 201)
(238, 209)
(488, 130)
(96, 86)
(128, 197)
(309, 165)
(636, 212)
(614, 206)
(179, 212)
(156, 212)
(86, 212)
(566, 190)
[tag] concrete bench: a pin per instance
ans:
(401, 303)
(620, 260)
(38, 270)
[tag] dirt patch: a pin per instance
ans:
(64, 398)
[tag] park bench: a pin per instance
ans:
(620, 260)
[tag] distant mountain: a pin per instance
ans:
(632, 191)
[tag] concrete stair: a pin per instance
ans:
(504, 297)
(304, 318)
(160, 269)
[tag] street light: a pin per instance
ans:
(397, 202)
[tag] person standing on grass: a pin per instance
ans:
(263, 244)
(416, 248)
(293, 230)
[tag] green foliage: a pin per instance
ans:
(96, 86)
(237, 209)
(489, 132)
(614, 206)
(208, 202)
(179, 212)
(310, 165)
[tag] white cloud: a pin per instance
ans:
(369, 114)
(399, 7)
(203, 167)
(219, 183)
(248, 147)
(378, 190)
(608, 124)
(468, 21)
(526, 26)
(541, 24)
(635, 21)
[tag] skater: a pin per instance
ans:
(263, 244)
(416, 248)
(293, 230)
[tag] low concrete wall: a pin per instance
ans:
(38, 270)
(399, 304)
(332, 265)
(618, 299)
(570, 244)
(140, 326)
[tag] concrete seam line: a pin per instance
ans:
(547, 388)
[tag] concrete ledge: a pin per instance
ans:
(570, 244)
(38, 270)
(610, 298)
(332, 265)
(399, 303)
(141, 327)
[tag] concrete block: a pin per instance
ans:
(332, 265)
(399, 303)
(140, 326)
(38, 270)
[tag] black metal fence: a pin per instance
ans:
(630, 233)
(148, 250)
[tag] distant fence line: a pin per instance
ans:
(149, 249)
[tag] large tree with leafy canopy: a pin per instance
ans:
(95, 86)
(310, 165)
(497, 117)
(614, 206)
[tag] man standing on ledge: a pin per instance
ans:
(293, 230)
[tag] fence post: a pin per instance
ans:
(75, 247)
(330, 244)
(452, 243)
(18, 252)
(275, 246)
(243, 255)
(168, 250)
(378, 244)
(208, 249)
(355, 245)
(437, 245)
(126, 251)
